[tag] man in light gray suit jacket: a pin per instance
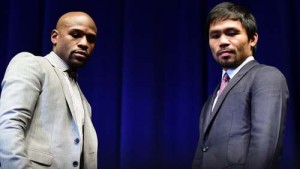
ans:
(45, 120)
(242, 123)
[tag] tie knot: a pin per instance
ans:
(72, 74)
(226, 78)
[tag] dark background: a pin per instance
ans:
(152, 70)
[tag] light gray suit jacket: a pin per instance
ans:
(245, 128)
(37, 128)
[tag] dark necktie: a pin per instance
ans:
(72, 74)
(224, 82)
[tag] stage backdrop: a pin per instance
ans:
(152, 70)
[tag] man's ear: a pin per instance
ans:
(54, 36)
(253, 40)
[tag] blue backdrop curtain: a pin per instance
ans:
(152, 70)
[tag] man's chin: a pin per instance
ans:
(228, 65)
(76, 65)
(77, 61)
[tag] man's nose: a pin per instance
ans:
(83, 43)
(223, 42)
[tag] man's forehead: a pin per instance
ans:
(76, 19)
(78, 25)
(224, 24)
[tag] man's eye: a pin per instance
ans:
(231, 33)
(75, 35)
(91, 38)
(214, 36)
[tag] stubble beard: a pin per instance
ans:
(230, 63)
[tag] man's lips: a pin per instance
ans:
(81, 54)
(224, 53)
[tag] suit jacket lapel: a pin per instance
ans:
(63, 82)
(66, 90)
(225, 92)
(86, 106)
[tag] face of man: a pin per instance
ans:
(74, 38)
(229, 43)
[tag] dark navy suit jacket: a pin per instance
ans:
(246, 127)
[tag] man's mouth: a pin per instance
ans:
(80, 54)
(224, 54)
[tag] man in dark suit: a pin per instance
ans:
(242, 123)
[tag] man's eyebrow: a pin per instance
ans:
(81, 31)
(76, 29)
(225, 29)
(214, 31)
(232, 28)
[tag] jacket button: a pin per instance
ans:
(76, 141)
(75, 163)
(205, 148)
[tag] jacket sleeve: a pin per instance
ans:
(269, 95)
(20, 90)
